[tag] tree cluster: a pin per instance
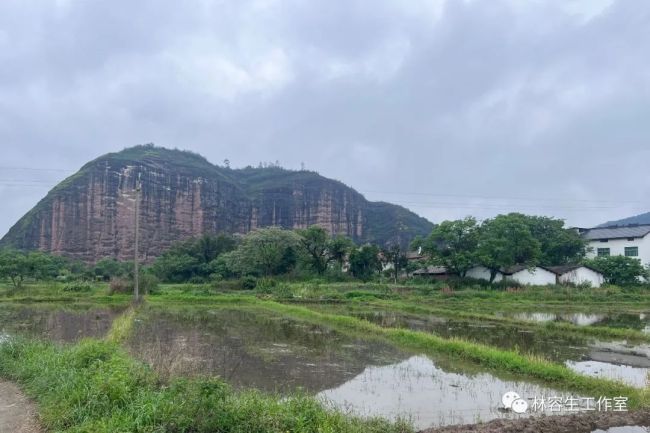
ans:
(502, 242)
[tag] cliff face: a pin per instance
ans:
(91, 214)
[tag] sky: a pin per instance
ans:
(447, 107)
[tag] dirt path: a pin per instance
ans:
(579, 423)
(17, 412)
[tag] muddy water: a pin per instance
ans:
(366, 377)
(59, 323)
(612, 360)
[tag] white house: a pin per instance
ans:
(630, 240)
(542, 275)
(537, 276)
(578, 274)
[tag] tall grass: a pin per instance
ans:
(96, 387)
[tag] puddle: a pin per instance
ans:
(418, 390)
(634, 376)
(56, 322)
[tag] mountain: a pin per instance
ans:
(643, 218)
(91, 214)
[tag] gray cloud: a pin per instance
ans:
(448, 107)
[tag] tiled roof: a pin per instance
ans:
(617, 232)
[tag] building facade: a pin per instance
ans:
(631, 241)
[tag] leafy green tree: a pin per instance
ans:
(108, 268)
(192, 258)
(453, 244)
(619, 270)
(315, 242)
(340, 248)
(266, 251)
(18, 266)
(396, 257)
(558, 245)
(505, 241)
(364, 262)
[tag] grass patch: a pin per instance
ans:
(96, 387)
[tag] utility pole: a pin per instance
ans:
(136, 273)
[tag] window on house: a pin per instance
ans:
(603, 252)
(632, 251)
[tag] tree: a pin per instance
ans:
(340, 247)
(453, 244)
(267, 251)
(192, 258)
(619, 270)
(394, 256)
(315, 242)
(505, 241)
(364, 262)
(108, 268)
(558, 245)
(18, 265)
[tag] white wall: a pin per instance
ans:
(582, 275)
(482, 273)
(617, 247)
(536, 277)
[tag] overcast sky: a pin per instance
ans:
(449, 108)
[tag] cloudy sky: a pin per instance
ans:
(448, 107)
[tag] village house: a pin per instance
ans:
(542, 275)
(630, 241)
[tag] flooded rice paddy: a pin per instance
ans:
(369, 377)
(629, 363)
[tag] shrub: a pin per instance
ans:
(119, 285)
(78, 287)
(248, 282)
(149, 284)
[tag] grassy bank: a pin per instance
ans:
(550, 373)
(95, 386)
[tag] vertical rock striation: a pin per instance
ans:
(90, 215)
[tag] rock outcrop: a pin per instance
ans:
(91, 214)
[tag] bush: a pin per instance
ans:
(119, 285)
(149, 284)
(78, 287)
(265, 285)
(248, 282)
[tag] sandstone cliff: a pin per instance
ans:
(90, 215)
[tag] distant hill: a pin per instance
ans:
(90, 215)
(643, 218)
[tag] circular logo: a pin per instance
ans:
(519, 406)
(508, 398)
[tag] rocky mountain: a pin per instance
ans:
(91, 214)
(643, 218)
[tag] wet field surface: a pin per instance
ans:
(364, 376)
(617, 360)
